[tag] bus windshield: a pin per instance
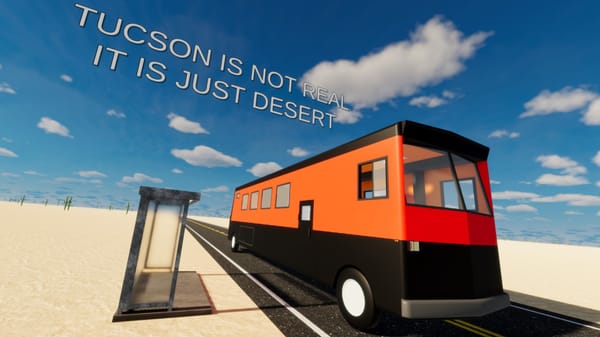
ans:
(438, 178)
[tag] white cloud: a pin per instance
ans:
(77, 180)
(140, 178)
(522, 208)
(262, 169)
(571, 199)
(298, 152)
(596, 158)
(504, 133)
(115, 113)
(427, 101)
(566, 100)
(449, 94)
(598, 183)
(592, 115)
(556, 162)
(570, 171)
(33, 173)
(10, 175)
(512, 195)
(598, 213)
(7, 153)
(8, 140)
(205, 156)
(66, 78)
(51, 126)
(184, 125)
(218, 189)
(6, 88)
(558, 180)
(346, 116)
(575, 170)
(494, 182)
(177, 171)
(434, 52)
(91, 174)
(573, 213)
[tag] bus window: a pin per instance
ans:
(245, 202)
(282, 198)
(372, 179)
(425, 170)
(472, 190)
(266, 198)
(449, 195)
(429, 180)
(254, 200)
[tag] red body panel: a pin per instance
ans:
(430, 224)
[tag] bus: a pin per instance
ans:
(399, 220)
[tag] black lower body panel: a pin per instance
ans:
(323, 255)
(465, 276)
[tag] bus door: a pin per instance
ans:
(305, 217)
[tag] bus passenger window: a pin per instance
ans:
(266, 198)
(245, 202)
(254, 200)
(372, 180)
(282, 198)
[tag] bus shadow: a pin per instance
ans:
(294, 291)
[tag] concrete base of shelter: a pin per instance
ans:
(191, 297)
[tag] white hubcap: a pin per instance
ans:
(353, 297)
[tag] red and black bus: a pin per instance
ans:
(398, 220)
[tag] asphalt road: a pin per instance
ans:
(299, 308)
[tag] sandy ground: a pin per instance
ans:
(563, 273)
(63, 271)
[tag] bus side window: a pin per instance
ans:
(372, 180)
(282, 198)
(254, 200)
(245, 202)
(266, 198)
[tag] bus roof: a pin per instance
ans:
(413, 133)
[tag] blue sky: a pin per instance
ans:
(520, 78)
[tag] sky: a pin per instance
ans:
(94, 100)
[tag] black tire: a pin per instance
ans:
(235, 245)
(355, 299)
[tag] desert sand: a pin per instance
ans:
(63, 271)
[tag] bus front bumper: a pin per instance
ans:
(453, 308)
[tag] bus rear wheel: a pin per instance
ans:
(355, 299)
(235, 245)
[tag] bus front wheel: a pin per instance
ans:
(235, 245)
(355, 299)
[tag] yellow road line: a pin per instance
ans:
(472, 328)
